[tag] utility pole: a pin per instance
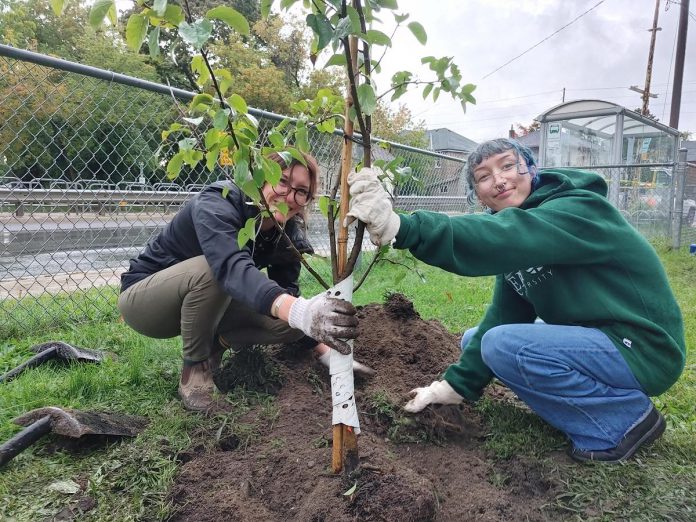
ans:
(646, 95)
(679, 64)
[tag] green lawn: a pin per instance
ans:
(129, 481)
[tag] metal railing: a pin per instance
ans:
(83, 184)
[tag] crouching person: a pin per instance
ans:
(193, 280)
(611, 334)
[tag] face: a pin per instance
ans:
(502, 181)
(292, 189)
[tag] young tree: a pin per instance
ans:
(219, 126)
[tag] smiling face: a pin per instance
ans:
(502, 180)
(293, 189)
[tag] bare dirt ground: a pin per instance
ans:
(430, 466)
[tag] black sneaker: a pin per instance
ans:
(646, 432)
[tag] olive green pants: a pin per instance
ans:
(185, 299)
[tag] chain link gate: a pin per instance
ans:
(83, 184)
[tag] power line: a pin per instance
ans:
(542, 41)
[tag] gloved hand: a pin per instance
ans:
(326, 320)
(358, 368)
(439, 392)
(370, 203)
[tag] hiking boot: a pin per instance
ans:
(645, 432)
(196, 387)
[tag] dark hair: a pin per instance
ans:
(490, 148)
(311, 164)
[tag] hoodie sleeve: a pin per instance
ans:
(564, 229)
(217, 221)
(470, 374)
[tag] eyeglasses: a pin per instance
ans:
(487, 180)
(301, 195)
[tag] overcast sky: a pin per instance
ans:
(597, 57)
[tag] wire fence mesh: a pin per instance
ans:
(83, 187)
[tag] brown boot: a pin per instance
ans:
(196, 387)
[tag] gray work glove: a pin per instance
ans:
(370, 203)
(326, 319)
(439, 392)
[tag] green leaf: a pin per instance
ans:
(174, 165)
(266, 8)
(336, 59)
(238, 104)
(297, 155)
(418, 32)
(327, 126)
(401, 18)
(212, 138)
(224, 79)
(211, 157)
(153, 42)
(427, 90)
(197, 33)
(351, 490)
(220, 119)
(136, 31)
(112, 14)
(231, 17)
(323, 203)
(377, 38)
(276, 139)
(98, 12)
(322, 29)
(201, 102)
(367, 98)
(187, 144)
(302, 139)
(273, 171)
(282, 207)
(388, 4)
(174, 14)
(198, 66)
(194, 121)
(354, 19)
(247, 233)
(259, 176)
(59, 6)
(159, 7)
(241, 172)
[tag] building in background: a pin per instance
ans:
(450, 177)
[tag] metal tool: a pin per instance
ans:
(54, 350)
(69, 423)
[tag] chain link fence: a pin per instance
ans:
(83, 184)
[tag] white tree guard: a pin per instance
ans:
(341, 370)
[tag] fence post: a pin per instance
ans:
(678, 204)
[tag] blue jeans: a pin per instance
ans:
(572, 377)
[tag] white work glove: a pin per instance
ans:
(358, 368)
(370, 203)
(439, 392)
(325, 319)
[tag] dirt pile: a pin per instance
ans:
(273, 461)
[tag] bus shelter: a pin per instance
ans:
(636, 155)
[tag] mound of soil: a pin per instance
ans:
(424, 467)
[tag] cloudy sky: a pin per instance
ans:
(599, 56)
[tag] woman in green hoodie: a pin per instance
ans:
(610, 332)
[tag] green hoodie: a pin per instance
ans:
(567, 256)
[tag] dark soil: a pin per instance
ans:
(430, 466)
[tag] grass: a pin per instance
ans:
(130, 480)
